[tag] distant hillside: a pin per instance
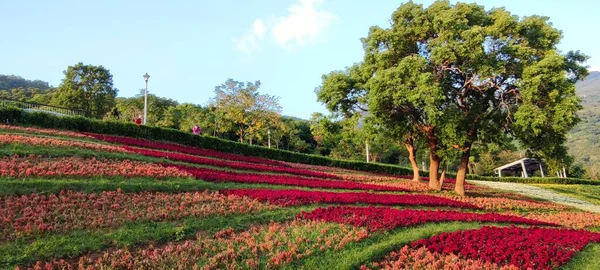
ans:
(589, 89)
(584, 139)
(8, 82)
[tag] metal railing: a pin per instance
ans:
(35, 107)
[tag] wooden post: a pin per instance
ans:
(564, 172)
(541, 169)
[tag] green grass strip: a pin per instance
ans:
(77, 243)
(376, 247)
(587, 259)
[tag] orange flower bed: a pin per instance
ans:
(39, 213)
(576, 220)
(422, 258)
(496, 204)
(276, 244)
(76, 166)
(46, 131)
(32, 140)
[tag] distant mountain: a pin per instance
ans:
(9, 82)
(584, 140)
(589, 88)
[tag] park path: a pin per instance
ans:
(537, 192)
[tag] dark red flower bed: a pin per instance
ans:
(526, 248)
(225, 163)
(385, 218)
(298, 197)
(183, 149)
(223, 176)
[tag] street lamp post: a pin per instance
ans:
(146, 77)
(269, 135)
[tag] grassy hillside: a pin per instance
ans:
(73, 199)
(584, 139)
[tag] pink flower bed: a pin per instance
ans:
(298, 197)
(33, 140)
(385, 218)
(225, 163)
(223, 176)
(183, 149)
(577, 220)
(526, 248)
(497, 203)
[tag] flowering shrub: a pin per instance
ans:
(297, 197)
(385, 218)
(183, 149)
(223, 176)
(577, 220)
(76, 166)
(260, 247)
(46, 131)
(526, 248)
(495, 203)
(224, 163)
(39, 213)
(422, 258)
(32, 140)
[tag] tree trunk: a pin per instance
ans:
(443, 175)
(434, 167)
(461, 174)
(412, 150)
(434, 159)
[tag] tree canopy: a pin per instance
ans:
(457, 74)
(87, 88)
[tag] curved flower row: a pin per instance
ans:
(422, 258)
(297, 197)
(495, 204)
(526, 248)
(32, 140)
(385, 218)
(47, 131)
(260, 247)
(39, 213)
(224, 163)
(183, 149)
(222, 176)
(76, 166)
(577, 220)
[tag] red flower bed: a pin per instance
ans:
(183, 149)
(223, 176)
(298, 197)
(527, 248)
(225, 163)
(385, 218)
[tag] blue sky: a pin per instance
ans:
(189, 47)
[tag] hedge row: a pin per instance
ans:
(17, 116)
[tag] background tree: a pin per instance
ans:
(87, 88)
(250, 111)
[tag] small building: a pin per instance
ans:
(524, 167)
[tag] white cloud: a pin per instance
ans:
(259, 28)
(302, 25)
(305, 21)
(249, 42)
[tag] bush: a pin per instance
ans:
(17, 116)
(536, 180)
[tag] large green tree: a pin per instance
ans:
(461, 74)
(87, 88)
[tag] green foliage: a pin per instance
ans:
(537, 180)
(13, 82)
(86, 88)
